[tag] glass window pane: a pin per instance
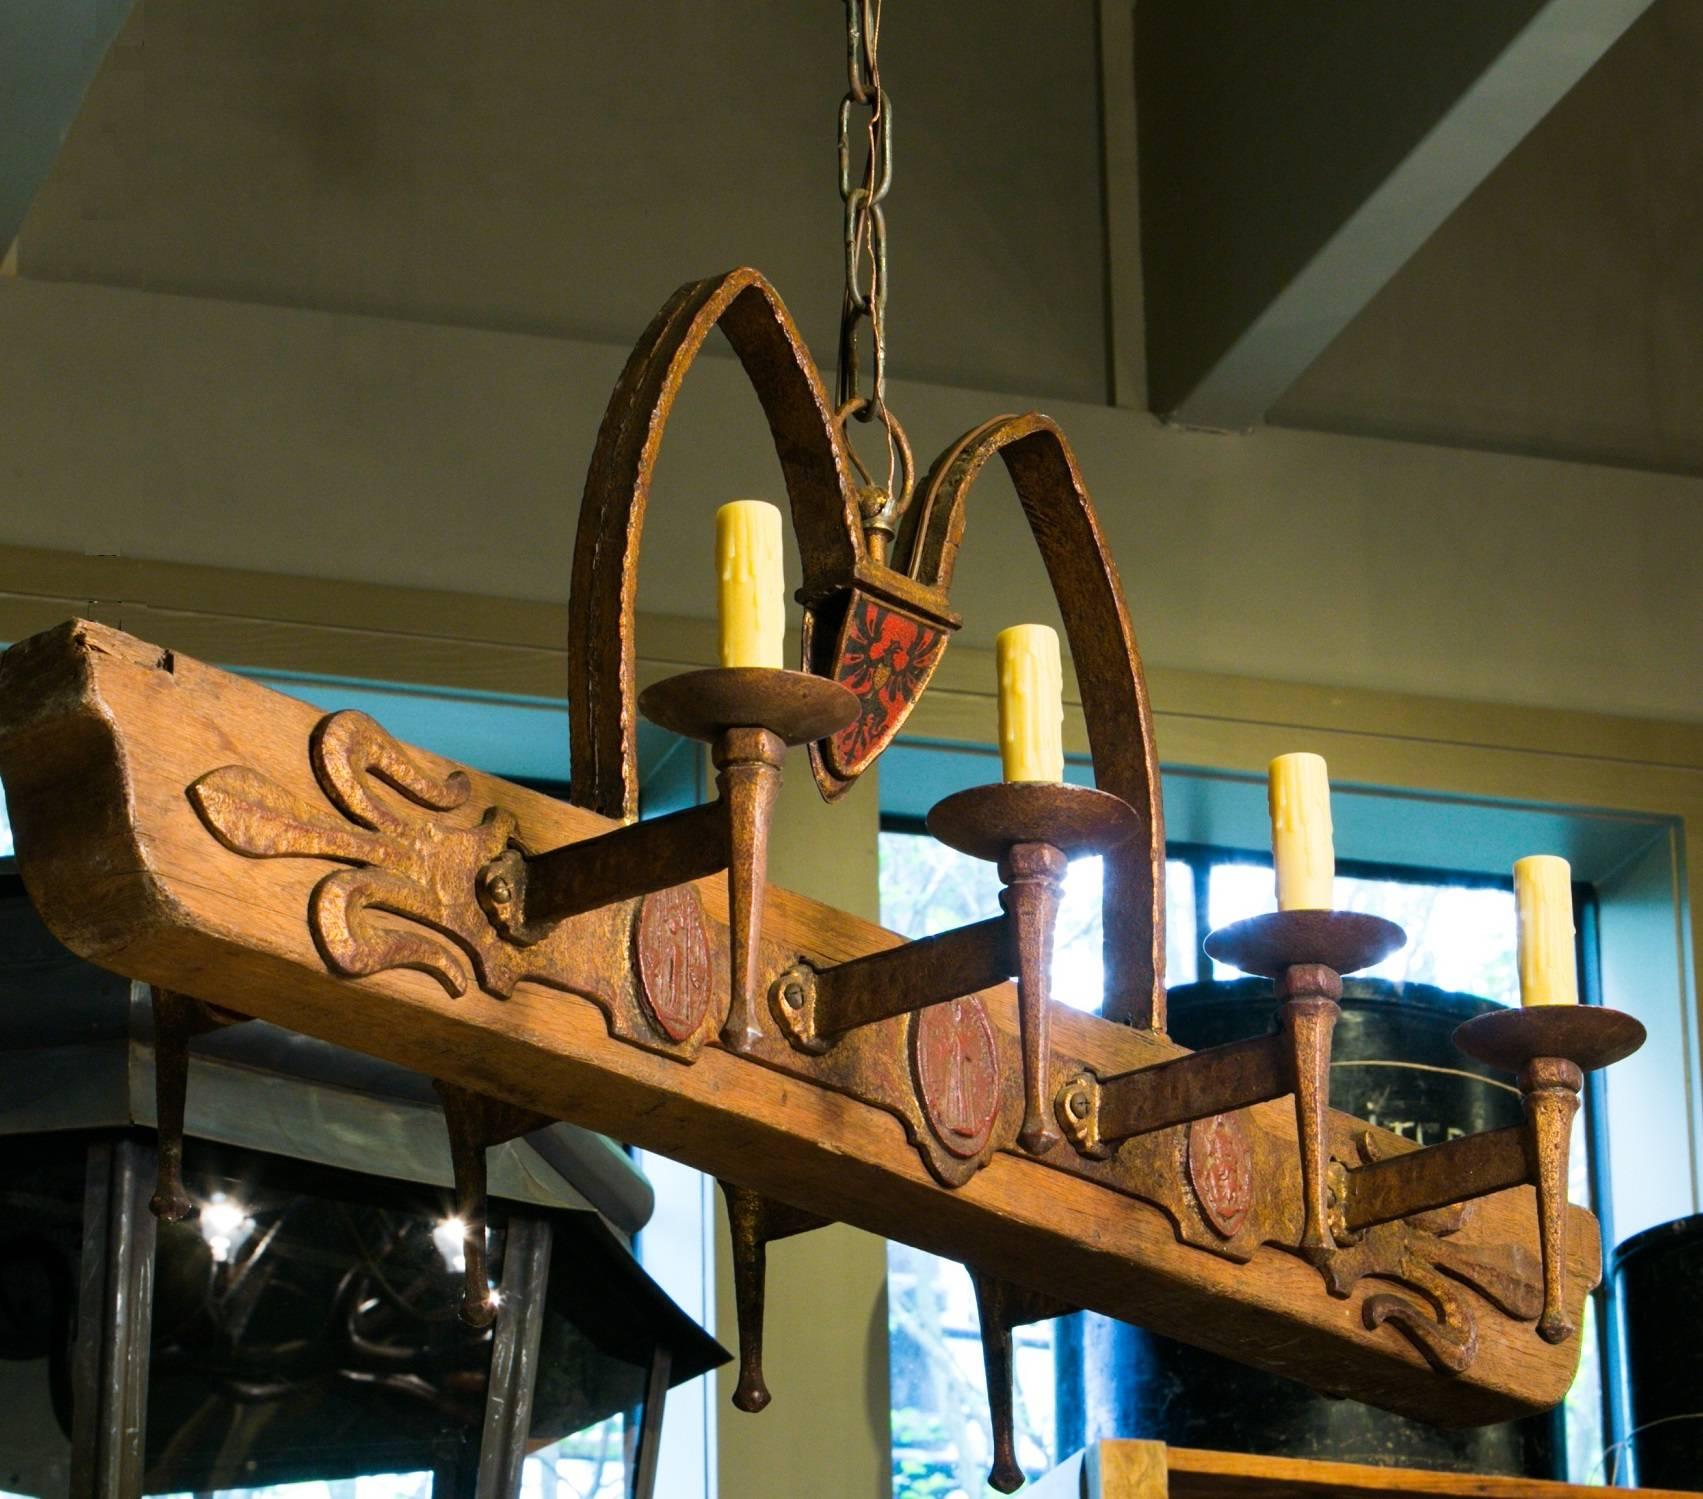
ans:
(1459, 937)
(1182, 952)
(1583, 1411)
(928, 888)
(942, 1442)
(591, 1464)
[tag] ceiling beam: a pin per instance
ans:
(1293, 161)
(51, 50)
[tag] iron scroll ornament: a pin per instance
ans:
(840, 572)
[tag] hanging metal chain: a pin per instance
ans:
(865, 299)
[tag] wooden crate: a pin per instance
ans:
(1151, 1470)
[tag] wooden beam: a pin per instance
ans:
(102, 735)
(1235, 1475)
(1293, 297)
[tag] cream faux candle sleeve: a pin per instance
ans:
(1031, 703)
(1543, 901)
(750, 590)
(1302, 850)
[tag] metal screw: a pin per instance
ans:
(500, 890)
(793, 994)
(1079, 1105)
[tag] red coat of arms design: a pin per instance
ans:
(886, 658)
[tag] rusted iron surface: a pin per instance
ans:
(1550, 1088)
(881, 502)
(1309, 1014)
(1033, 875)
(750, 715)
(1001, 1308)
(844, 572)
(434, 881)
(1097, 1114)
(604, 590)
(988, 821)
(795, 706)
(1437, 1176)
(1269, 945)
(942, 1070)
(1028, 829)
(1588, 1036)
(178, 1019)
(476, 1122)
(525, 895)
(1552, 1046)
(1109, 674)
(748, 779)
(754, 1222)
(84, 700)
(1195, 1086)
(815, 1007)
(1031, 829)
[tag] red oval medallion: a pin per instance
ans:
(1221, 1171)
(671, 951)
(957, 1067)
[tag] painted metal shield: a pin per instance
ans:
(885, 655)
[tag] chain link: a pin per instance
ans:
(865, 298)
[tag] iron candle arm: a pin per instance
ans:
(1434, 1177)
(526, 895)
(815, 1007)
(749, 716)
(1028, 830)
(1304, 953)
(1549, 1048)
(748, 776)
(1309, 994)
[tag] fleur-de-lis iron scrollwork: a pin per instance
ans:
(413, 852)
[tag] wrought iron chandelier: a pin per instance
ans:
(549, 959)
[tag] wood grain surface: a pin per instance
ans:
(1234, 1475)
(101, 734)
